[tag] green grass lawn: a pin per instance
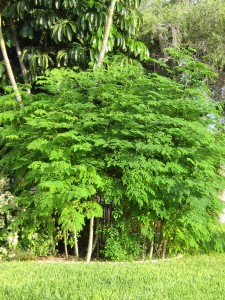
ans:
(200, 277)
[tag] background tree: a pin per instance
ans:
(106, 33)
(195, 24)
(70, 33)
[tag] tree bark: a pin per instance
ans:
(164, 246)
(52, 243)
(65, 243)
(106, 33)
(144, 249)
(151, 248)
(90, 242)
(96, 240)
(8, 66)
(19, 53)
(76, 249)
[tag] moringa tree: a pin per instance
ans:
(144, 143)
(99, 65)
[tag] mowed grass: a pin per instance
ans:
(200, 277)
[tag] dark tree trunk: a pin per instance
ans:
(19, 53)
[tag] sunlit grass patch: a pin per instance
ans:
(200, 277)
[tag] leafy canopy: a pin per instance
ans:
(151, 145)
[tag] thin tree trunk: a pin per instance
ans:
(53, 243)
(90, 242)
(96, 236)
(76, 244)
(8, 66)
(98, 248)
(144, 249)
(95, 243)
(106, 33)
(65, 243)
(164, 246)
(176, 36)
(151, 248)
(19, 53)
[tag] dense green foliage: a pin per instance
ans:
(139, 154)
(191, 278)
(149, 145)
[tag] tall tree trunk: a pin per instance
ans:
(164, 246)
(65, 242)
(106, 33)
(8, 66)
(76, 250)
(144, 249)
(90, 241)
(96, 240)
(151, 248)
(19, 53)
(52, 243)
